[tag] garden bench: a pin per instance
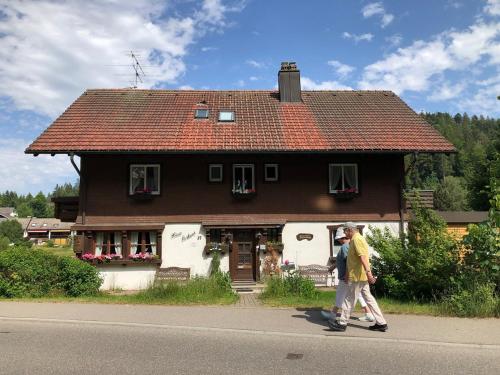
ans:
(319, 274)
(173, 274)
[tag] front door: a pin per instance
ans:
(242, 255)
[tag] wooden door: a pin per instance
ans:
(242, 255)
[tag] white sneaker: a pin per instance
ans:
(367, 318)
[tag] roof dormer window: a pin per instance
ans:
(226, 116)
(201, 113)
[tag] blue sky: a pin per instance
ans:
(437, 55)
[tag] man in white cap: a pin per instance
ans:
(341, 291)
(358, 277)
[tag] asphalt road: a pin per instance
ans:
(61, 339)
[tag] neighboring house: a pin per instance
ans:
(7, 213)
(167, 172)
(457, 221)
(41, 230)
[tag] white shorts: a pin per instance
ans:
(341, 293)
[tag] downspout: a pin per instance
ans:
(402, 187)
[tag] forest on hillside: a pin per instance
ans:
(460, 181)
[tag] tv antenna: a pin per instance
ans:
(136, 65)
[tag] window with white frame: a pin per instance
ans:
(201, 113)
(243, 178)
(144, 178)
(143, 243)
(215, 173)
(270, 172)
(343, 178)
(108, 243)
(226, 116)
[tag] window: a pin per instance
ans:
(226, 116)
(143, 242)
(343, 178)
(144, 178)
(201, 113)
(215, 173)
(243, 179)
(108, 243)
(270, 172)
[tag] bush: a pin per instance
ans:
(50, 243)
(11, 229)
(422, 265)
(472, 300)
(292, 284)
(34, 273)
(4, 243)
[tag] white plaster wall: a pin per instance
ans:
(127, 278)
(182, 246)
(317, 250)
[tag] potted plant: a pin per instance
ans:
(276, 246)
(244, 194)
(346, 194)
(216, 246)
(142, 194)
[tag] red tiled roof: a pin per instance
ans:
(130, 120)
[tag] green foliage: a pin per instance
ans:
(477, 160)
(77, 278)
(66, 190)
(471, 300)
(11, 229)
(292, 284)
(451, 194)
(39, 205)
(4, 243)
(421, 265)
(50, 243)
(24, 210)
(215, 289)
(215, 263)
(34, 273)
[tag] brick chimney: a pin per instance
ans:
(289, 82)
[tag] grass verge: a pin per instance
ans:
(324, 301)
(64, 251)
(198, 291)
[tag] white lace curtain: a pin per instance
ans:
(134, 237)
(118, 243)
(335, 175)
(152, 236)
(98, 243)
(349, 176)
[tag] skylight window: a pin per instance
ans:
(226, 116)
(201, 113)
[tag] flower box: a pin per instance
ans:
(117, 260)
(247, 195)
(142, 196)
(347, 194)
(215, 246)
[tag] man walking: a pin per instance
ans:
(358, 277)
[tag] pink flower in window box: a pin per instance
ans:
(88, 256)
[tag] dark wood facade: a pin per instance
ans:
(186, 195)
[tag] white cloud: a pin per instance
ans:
(416, 67)
(208, 49)
(240, 83)
(454, 4)
(447, 91)
(186, 87)
(27, 174)
(377, 9)
(52, 51)
(493, 7)
(256, 64)
(342, 70)
(309, 84)
(484, 100)
(357, 38)
(253, 78)
(394, 40)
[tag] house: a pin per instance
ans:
(167, 175)
(41, 230)
(7, 213)
(458, 221)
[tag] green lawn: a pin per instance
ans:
(325, 298)
(65, 251)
